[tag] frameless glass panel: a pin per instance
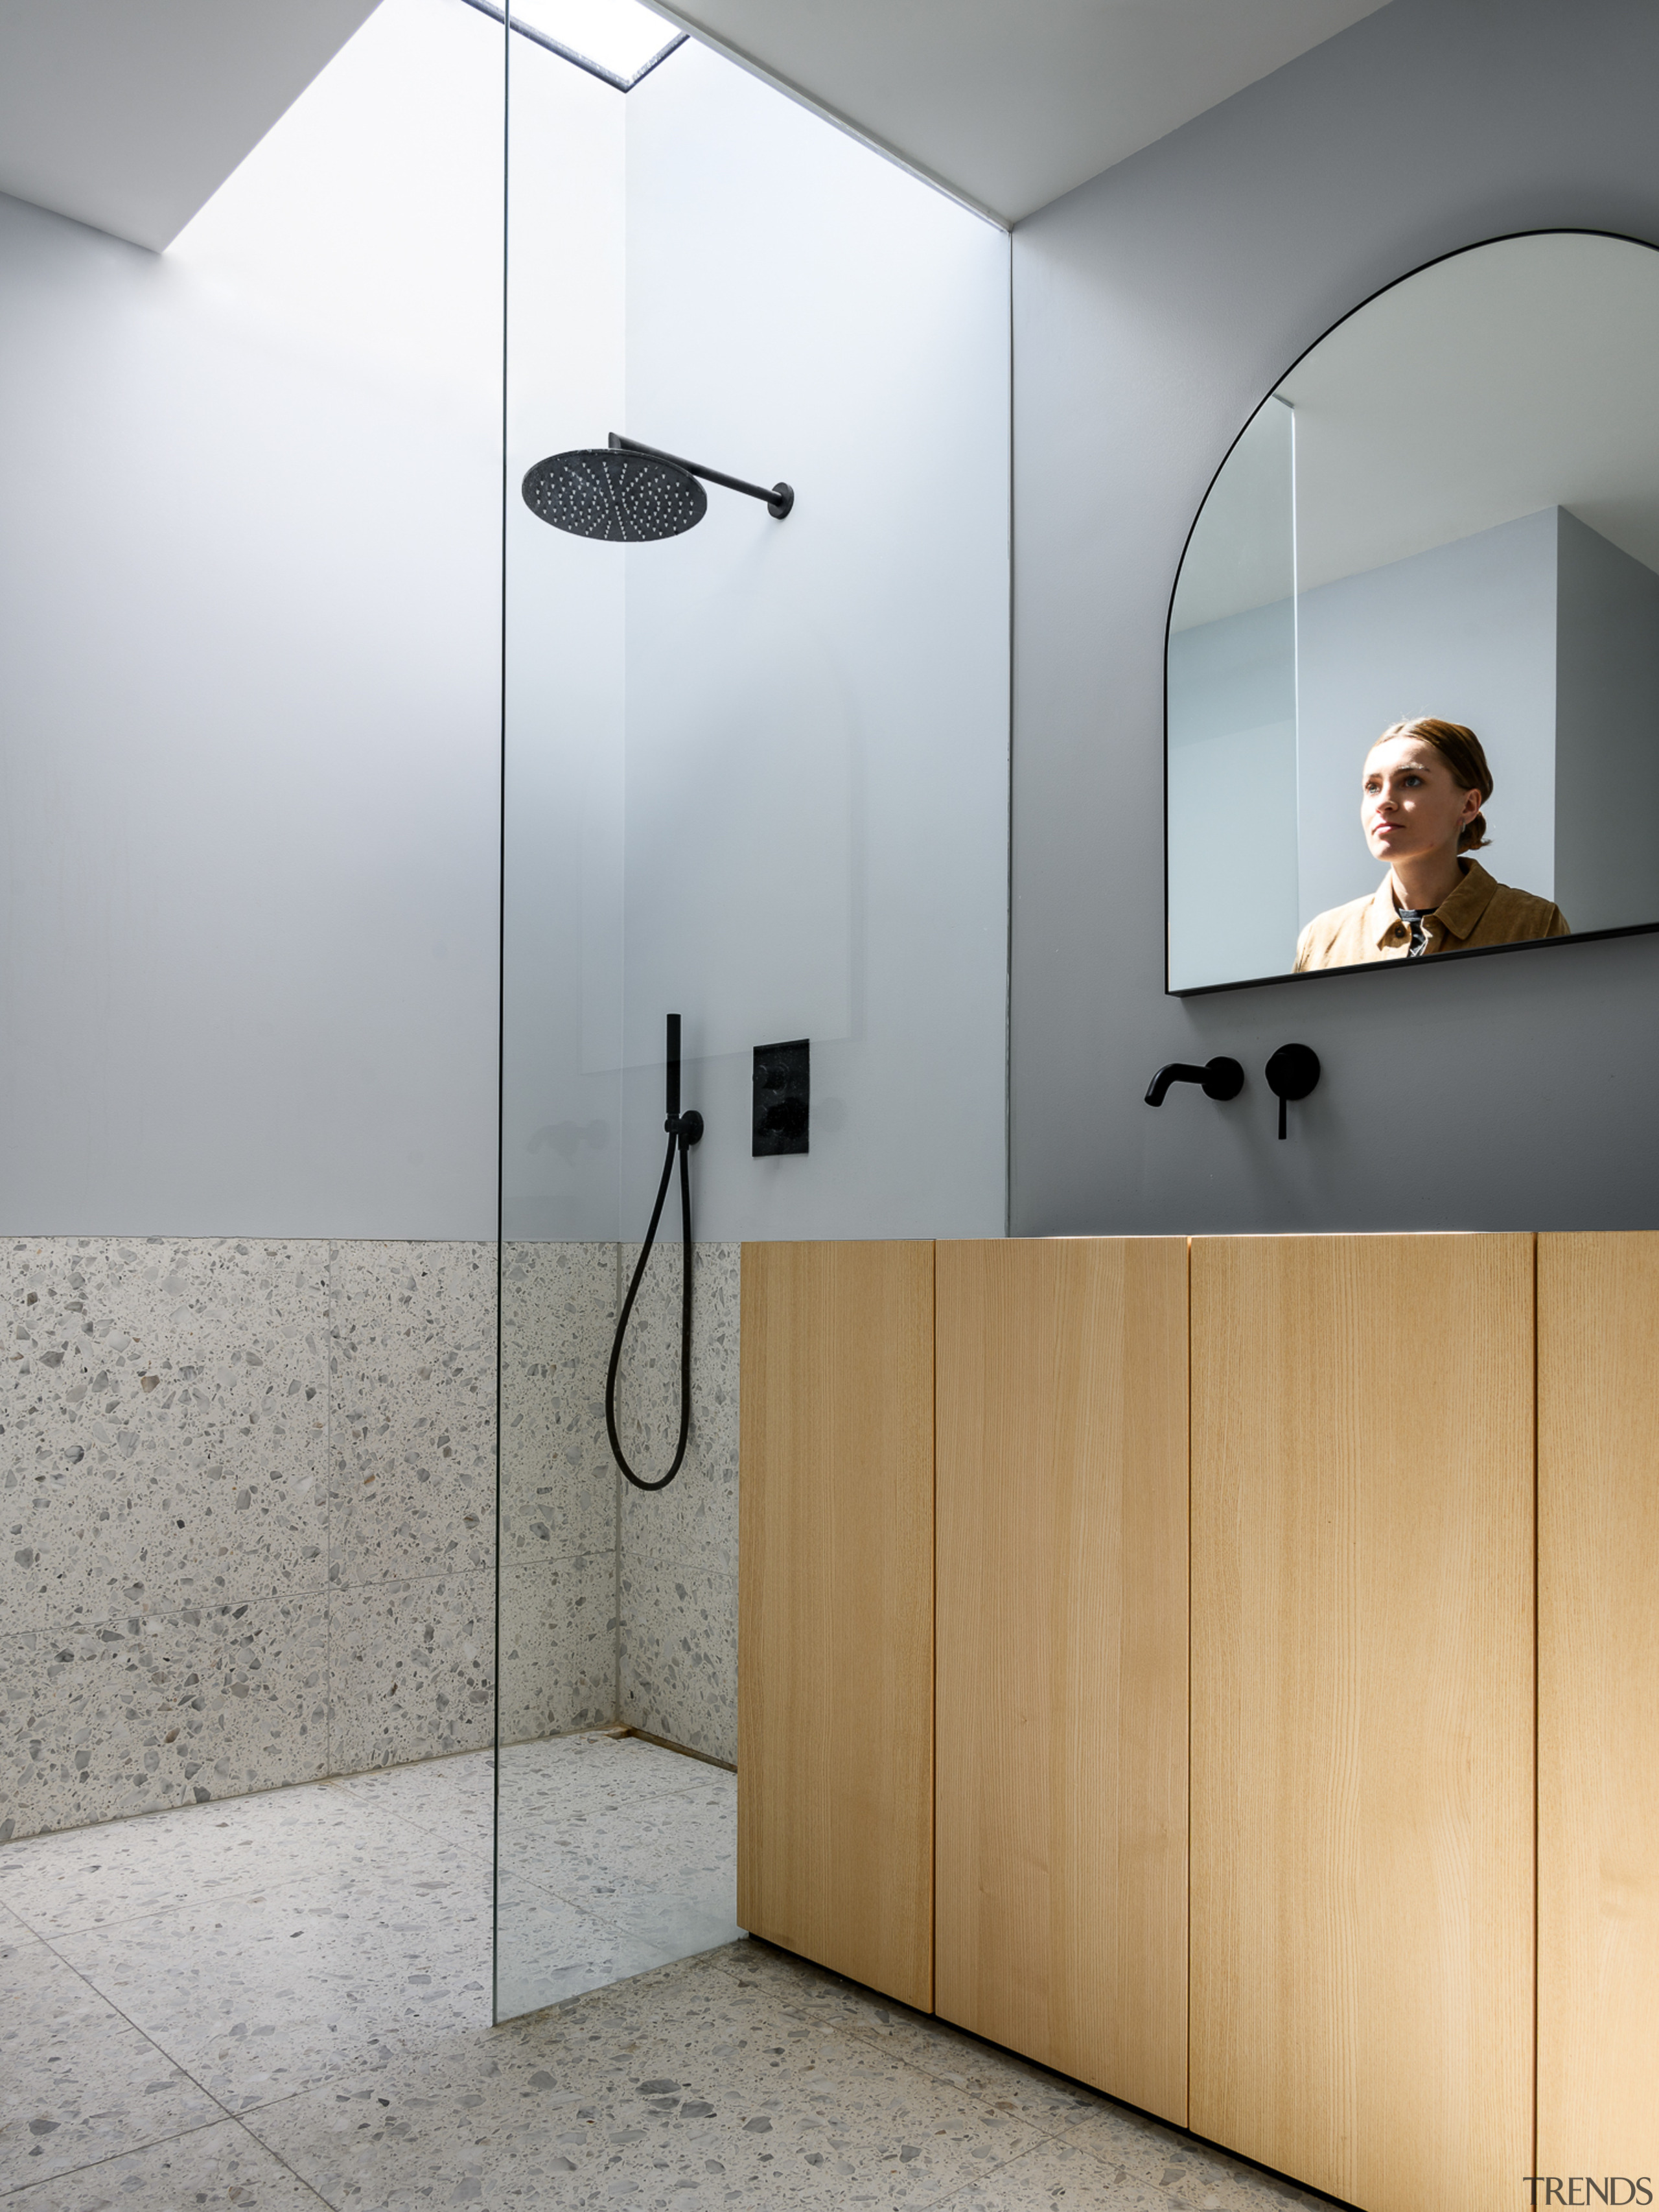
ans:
(756, 775)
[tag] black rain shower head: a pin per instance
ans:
(628, 493)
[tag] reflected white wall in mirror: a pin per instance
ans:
(1449, 507)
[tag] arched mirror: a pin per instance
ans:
(1443, 525)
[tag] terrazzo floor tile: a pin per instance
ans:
(260, 1997)
(78, 2081)
(570, 1776)
(88, 1878)
(682, 1846)
(1135, 2149)
(453, 1797)
(216, 2166)
(686, 2086)
(1058, 2174)
(551, 1949)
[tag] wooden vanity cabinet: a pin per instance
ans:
(1060, 1911)
(835, 1609)
(1295, 1731)
(1598, 1708)
(1362, 1713)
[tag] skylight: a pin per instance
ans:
(616, 40)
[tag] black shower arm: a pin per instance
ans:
(779, 500)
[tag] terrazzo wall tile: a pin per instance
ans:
(558, 1646)
(677, 1655)
(558, 1482)
(154, 1707)
(412, 1410)
(677, 1575)
(163, 1424)
(411, 1669)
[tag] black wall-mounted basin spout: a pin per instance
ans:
(1221, 1078)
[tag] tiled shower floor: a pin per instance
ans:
(284, 2001)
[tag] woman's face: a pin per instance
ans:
(1410, 807)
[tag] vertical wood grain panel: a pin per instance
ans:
(1598, 1706)
(1363, 1715)
(1060, 1908)
(836, 1609)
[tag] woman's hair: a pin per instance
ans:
(1462, 753)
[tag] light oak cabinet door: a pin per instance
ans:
(1061, 1710)
(835, 1609)
(1362, 1719)
(1598, 1708)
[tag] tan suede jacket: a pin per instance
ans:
(1480, 911)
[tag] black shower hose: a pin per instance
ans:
(684, 1131)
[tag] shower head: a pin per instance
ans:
(628, 493)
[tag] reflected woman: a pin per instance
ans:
(1424, 785)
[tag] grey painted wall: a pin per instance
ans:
(1153, 308)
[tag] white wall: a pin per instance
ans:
(249, 653)
(817, 763)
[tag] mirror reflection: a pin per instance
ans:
(1412, 673)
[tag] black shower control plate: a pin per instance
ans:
(783, 1093)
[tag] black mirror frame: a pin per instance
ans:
(1366, 967)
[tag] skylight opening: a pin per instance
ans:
(616, 40)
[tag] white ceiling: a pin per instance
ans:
(1011, 102)
(130, 114)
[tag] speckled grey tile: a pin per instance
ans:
(548, 1950)
(78, 2081)
(453, 1796)
(163, 1418)
(152, 1708)
(677, 1654)
(577, 1785)
(320, 1977)
(121, 1870)
(558, 1482)
(221, 2165)
(412, 1385)
(1138, 2152)
(681, 1845)
(411, 1667)
(1058, 2173)
(684, 2079)
(693, 1524)
(558, 1646)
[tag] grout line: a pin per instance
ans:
(159, 2143)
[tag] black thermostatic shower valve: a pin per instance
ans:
(783, 1094)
